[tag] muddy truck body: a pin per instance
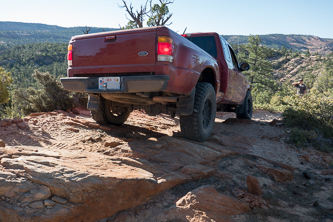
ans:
(159, 71)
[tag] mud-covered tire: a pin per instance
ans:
(106, 115)
(245, 111)
(199, 125)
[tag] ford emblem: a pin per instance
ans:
(143, 53)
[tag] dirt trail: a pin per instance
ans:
(61, 166)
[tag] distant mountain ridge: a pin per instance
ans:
(20, 26)
(14, 33)
(300, 43)
(18, 33)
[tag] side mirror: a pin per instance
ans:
(243, 66)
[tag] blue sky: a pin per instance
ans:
(227, 17)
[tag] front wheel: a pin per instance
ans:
(246, 109)
(199, 125)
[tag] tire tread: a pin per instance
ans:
(190, 126)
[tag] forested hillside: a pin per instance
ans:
(298, 43)
(25, 47)
(22, 60)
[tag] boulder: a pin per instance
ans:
(49, 203)
(37, 205)
(41, 193)
(206, 204)
(253, 185)
(59, 200)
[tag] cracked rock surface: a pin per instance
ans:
(58, 166)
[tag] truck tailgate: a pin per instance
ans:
(109, 52)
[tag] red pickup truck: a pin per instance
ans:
(159, 71)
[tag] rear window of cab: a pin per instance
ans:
(207, 43)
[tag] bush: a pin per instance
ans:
(5, 81)
(49, 96)
(311, 117)
(301, 137)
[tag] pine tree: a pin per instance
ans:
(261, 73)
(324, 82)
(307, 54)
(5, 81)
(159, 13)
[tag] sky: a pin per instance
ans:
(226, 17)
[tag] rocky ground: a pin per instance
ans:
(62, 166)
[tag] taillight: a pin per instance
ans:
(70, 55)
(164, 49)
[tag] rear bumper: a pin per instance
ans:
(128, 84)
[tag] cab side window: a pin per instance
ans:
(233, 56)
(227, 54)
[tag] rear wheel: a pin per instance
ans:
(116, 115)
(106, 113)
(199, 125)
(245, 111)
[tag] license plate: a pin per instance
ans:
(109, 82)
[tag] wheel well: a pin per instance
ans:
(208, 75)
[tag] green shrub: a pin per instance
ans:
(298, 137)
(5, 81)
(311, 119)
(276, 100)
(49, 96)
